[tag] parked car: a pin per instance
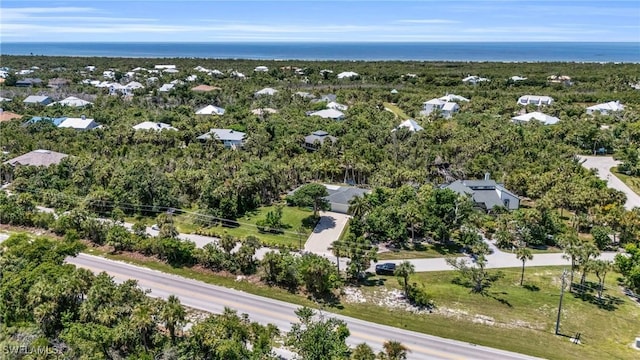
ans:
(385, 269)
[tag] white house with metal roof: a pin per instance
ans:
(605, 108)
(473, 79)
(329, 114)
(453, 98)
(72, 101)
(266, 91)
(537, 116)
(409, 124)
(446, 108)
(81, 123)
(150, 125)
(536, 100)
(230, 138)
(347, 75)
(210, 110)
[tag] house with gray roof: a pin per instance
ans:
(38, 157)
(230, 138)
(27, 82)
(38, 99)
(316, 139)
(486, 193)
(339, 196)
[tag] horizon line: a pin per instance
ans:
(321, 42)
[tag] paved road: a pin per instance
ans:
(604, 164)
(211, 298)
(327, 231)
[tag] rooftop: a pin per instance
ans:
(38, 157)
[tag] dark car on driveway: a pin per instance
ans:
(385, 269)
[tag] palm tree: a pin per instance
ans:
(143, 323)
(523, 254)
(172, 314)
(600, 268)
(393, 350)
(363, 352)
(571, 244)
(359, 206)
(404, 270)
(588, 250)
(412, 216)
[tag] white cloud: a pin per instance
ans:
(428, 21)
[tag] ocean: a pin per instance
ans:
(628, 52)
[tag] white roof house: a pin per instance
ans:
(217, 72)
(201, 69)
(210, 110)
(166, 87)
(171, 71)
(263, 111)
(535, 100)
(108, 74)
(543, 118)
(72, 101)
(337, 106)
(329, 114)
(236, 74)
(230, 138)
(90, 68)
(410, 124)
(473, 79)
(453, 98)
(606, 108)
(4, 99)
(347, 74)
(266, 91)
(164, 67)
(134, 85)
(446, 108)
(517, 78)
(261, 69)
(81, 123)
(191, 78)
(150, 125)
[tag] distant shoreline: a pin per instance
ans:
(505, 52)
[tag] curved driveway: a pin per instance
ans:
(604, 164)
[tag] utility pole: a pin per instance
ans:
(564, 277)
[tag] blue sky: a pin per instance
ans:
(317, 21)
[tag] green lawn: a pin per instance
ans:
(184, 222)
(292, 217)
(420, 251)
(396, 111)
(523, 320)
(632, 182)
